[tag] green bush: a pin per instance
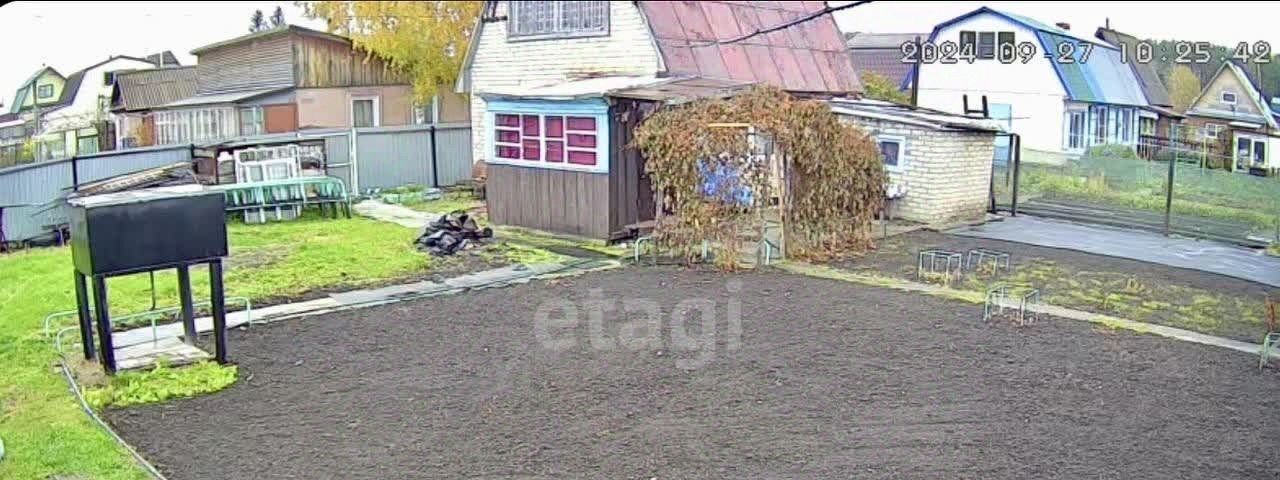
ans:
(1111, 151)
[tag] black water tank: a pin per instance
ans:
(148, 229)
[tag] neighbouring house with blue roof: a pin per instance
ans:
(1061, 92)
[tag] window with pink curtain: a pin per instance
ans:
(553, 139)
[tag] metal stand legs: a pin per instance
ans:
(86, 318)
(188, 314)
(106, 345)
(106, 353)
(219, 311)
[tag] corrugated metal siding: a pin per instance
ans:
(35, 186)
(261, 63)
(453, 153)
(146, 89)
(394, 156)
(337, 152)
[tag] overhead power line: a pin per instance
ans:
(796, 21)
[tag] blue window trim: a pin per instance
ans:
(594, 107)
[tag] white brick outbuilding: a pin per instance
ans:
(943, 160)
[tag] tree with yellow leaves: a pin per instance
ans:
(1184, 87)
(427, 40)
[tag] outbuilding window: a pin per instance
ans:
(548, 139)
(892, 152)
(557, 19)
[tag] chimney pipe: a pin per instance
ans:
(1108, 23)
(1063, 25)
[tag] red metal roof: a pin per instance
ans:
(806, 57)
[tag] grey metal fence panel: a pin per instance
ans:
(389, 157)
(30, 192)
(337, 155)
(453, 153)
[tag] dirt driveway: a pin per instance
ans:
(826, 380)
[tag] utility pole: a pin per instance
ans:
(35, 124)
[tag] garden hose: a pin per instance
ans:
(84, 405)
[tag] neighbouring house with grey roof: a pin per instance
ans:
(881, 53)
(136, 94)
(1157, 121)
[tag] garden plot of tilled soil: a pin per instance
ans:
(830, 380)
(1131, 289)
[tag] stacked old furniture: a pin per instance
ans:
(270, 185)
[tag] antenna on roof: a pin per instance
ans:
(915, 80)
(967, 111)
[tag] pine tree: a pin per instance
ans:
(277, 17)
(256, 22)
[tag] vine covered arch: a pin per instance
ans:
(721, 166)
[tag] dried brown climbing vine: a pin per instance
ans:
(834, 176)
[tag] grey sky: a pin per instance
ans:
(72, 35)
(69, 36)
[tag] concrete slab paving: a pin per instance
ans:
(1203, 255)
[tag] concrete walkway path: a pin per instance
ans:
(1203, 255)
(398, 214)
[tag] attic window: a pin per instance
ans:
(1229, 98)
(44, 91)
(986, 45)
(557, 19)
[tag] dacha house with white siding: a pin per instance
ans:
(1060, 91)
(558, 86)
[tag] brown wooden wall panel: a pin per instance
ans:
(280, 118)
(322, 62)
(575, 203)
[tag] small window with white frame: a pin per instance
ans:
(364, 112)
(529, 20)
(1229, 97)
(1211, 130)
(892, 152)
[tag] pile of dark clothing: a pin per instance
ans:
(450, 233)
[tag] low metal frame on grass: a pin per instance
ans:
(998, 299)
(154, 314)
(999, 260)
(952, 264)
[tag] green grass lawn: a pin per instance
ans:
(44, 432)
(1218, 195)
(453, 199)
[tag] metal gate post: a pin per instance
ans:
(435, 174)
(1168, 199)
(1017, 169)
